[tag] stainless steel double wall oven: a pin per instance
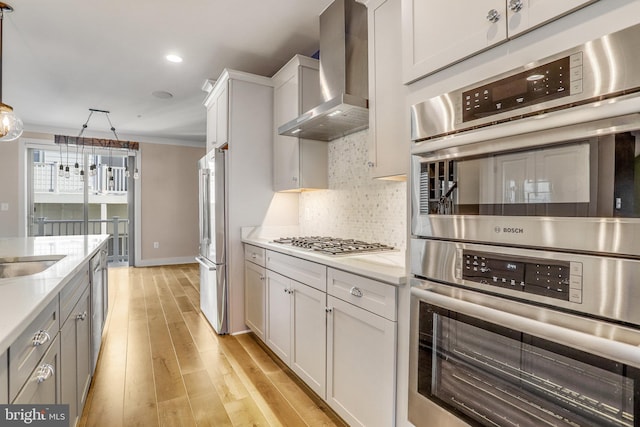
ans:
(525, 248)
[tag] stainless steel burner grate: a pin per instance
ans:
(334, 245)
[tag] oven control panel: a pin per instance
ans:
(550, 278)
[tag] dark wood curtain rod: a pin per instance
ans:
(96, 142)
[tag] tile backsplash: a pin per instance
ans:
(355, 206)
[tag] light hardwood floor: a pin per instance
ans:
(162, 365)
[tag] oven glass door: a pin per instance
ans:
(491, 375)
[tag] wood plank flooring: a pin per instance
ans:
(161, 364)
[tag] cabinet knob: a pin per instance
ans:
(81, 316)
(515, 5)
(493, 16)
(329, 309)
(262, 278)
(45, 372)
(370, 164)
(41, 337)
(294, 178)
(356, 292)
(254, 256)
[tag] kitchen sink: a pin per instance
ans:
(27, 265)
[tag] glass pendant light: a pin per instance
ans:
(10, 126)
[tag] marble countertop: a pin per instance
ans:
(388, 267)
(23, 298)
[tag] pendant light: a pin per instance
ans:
(10, 125)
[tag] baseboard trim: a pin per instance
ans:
(165, 261)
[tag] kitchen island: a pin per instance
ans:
(23, 298)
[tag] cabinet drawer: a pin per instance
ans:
(374, 296)
(42, 385)
(24, 355)
(4, 379)
(254, 254)
(300, 270)
(71, 293)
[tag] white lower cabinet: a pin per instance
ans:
(279, 315)
(296, 328)
(335, 330)
(308, 336)
(255, 298)
(361, 365)
(4, 379)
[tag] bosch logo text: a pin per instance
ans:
(509, 230)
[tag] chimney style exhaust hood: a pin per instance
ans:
(344, 79)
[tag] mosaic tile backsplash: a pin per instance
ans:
(355, 206)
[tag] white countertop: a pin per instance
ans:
(23, 298)
(388, 267)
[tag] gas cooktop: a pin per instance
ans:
(333, 245)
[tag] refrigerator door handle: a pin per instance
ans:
(206, 263)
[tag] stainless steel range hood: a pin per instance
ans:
(343, 76)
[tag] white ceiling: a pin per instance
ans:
(62, 57)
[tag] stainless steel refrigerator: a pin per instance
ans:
(214, 300)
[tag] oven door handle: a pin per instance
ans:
(610, 349)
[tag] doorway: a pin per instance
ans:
(69, 196)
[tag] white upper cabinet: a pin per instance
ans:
(217, 104)
(297, 163)
(524, 15)
(437, 33)
(389, 147)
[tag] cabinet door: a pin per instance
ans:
(308, 355)
(43, 387)
(4, 379)
(286, 154)
(389, 149)
(75, 358)
(254, 298)
(222, 116)
(69, 376)
(279, 315)
(438, 33)
(84, 367)
(524, 15)
(361, 365)
(212, 117)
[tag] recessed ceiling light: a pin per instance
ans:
(173, 58)
(162, 94)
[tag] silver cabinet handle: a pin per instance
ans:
(45, 372)
(515, 5)
(493, 16)
(81, 316)
(356, 292)
(41, 337)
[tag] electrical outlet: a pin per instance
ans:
(156, 245)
